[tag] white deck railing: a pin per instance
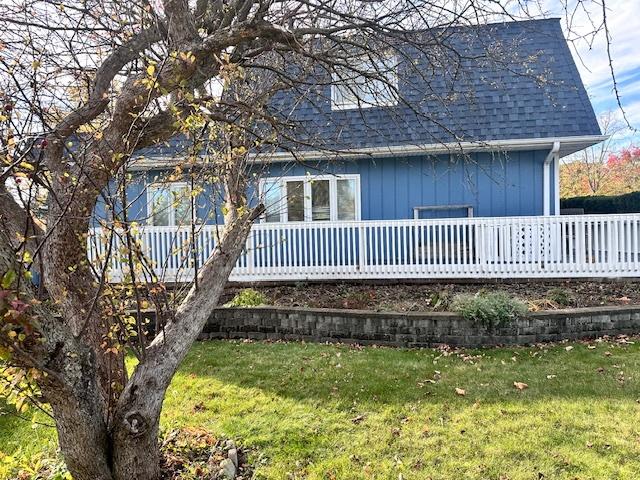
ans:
(497, 247)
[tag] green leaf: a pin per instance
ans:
(7, 279)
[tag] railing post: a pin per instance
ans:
(362, 248)
(250, 249)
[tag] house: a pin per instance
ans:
(406, 185)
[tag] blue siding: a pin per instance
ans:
(495, 185)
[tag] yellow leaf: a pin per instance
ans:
(27, 165)
(151, 69)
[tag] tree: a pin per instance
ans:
(587, 172)
(88, 84)
(601, 170)
(624, 168)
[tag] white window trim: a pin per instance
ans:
(358, 103)
(307, 180)
(153, 188)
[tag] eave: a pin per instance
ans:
(568, 145)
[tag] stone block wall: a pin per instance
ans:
(416, 329)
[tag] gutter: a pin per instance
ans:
(569, 145)
(554, 157)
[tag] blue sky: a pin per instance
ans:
(623, 17)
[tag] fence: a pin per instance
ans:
(496, 247)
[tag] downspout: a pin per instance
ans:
(546, 178)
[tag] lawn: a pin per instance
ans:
(338, 412)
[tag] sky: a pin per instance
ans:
(623, 18)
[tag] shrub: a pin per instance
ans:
(627, 203)
(559, 296)
(490, 309)
(248, 298)
(440, 300)
(358, 300)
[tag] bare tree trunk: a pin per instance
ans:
(135, 426)
(70, 280)
(69, 385)
(83, 437)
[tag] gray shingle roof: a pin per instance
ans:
(530, 89)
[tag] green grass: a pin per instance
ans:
(322, 412)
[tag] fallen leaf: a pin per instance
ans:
(607, 354)
(357, 420)
(569, 348)
(461, 392)
(520, 385)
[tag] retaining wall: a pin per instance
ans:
(416, 329)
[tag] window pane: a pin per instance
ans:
(345, 94)
(346, 199)
(160, 207)
(320, 209)
(181, 205)
(350, 89)
(295, 201)
(272, 201)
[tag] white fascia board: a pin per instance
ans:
(569, 145)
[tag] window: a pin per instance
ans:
(350, 89)
(295, 201)
(170, 204)
(315, 199)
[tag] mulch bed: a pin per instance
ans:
(539, 295)
(193, 453)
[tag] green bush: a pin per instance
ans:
(559, 296)
(490, 309)
(440, 300)
(248, 298)
(627, 203)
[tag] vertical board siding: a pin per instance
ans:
(496, 185)
(493, 184)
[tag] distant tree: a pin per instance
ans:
(588, 172)
(624, 168)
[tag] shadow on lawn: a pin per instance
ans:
(342, 374)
